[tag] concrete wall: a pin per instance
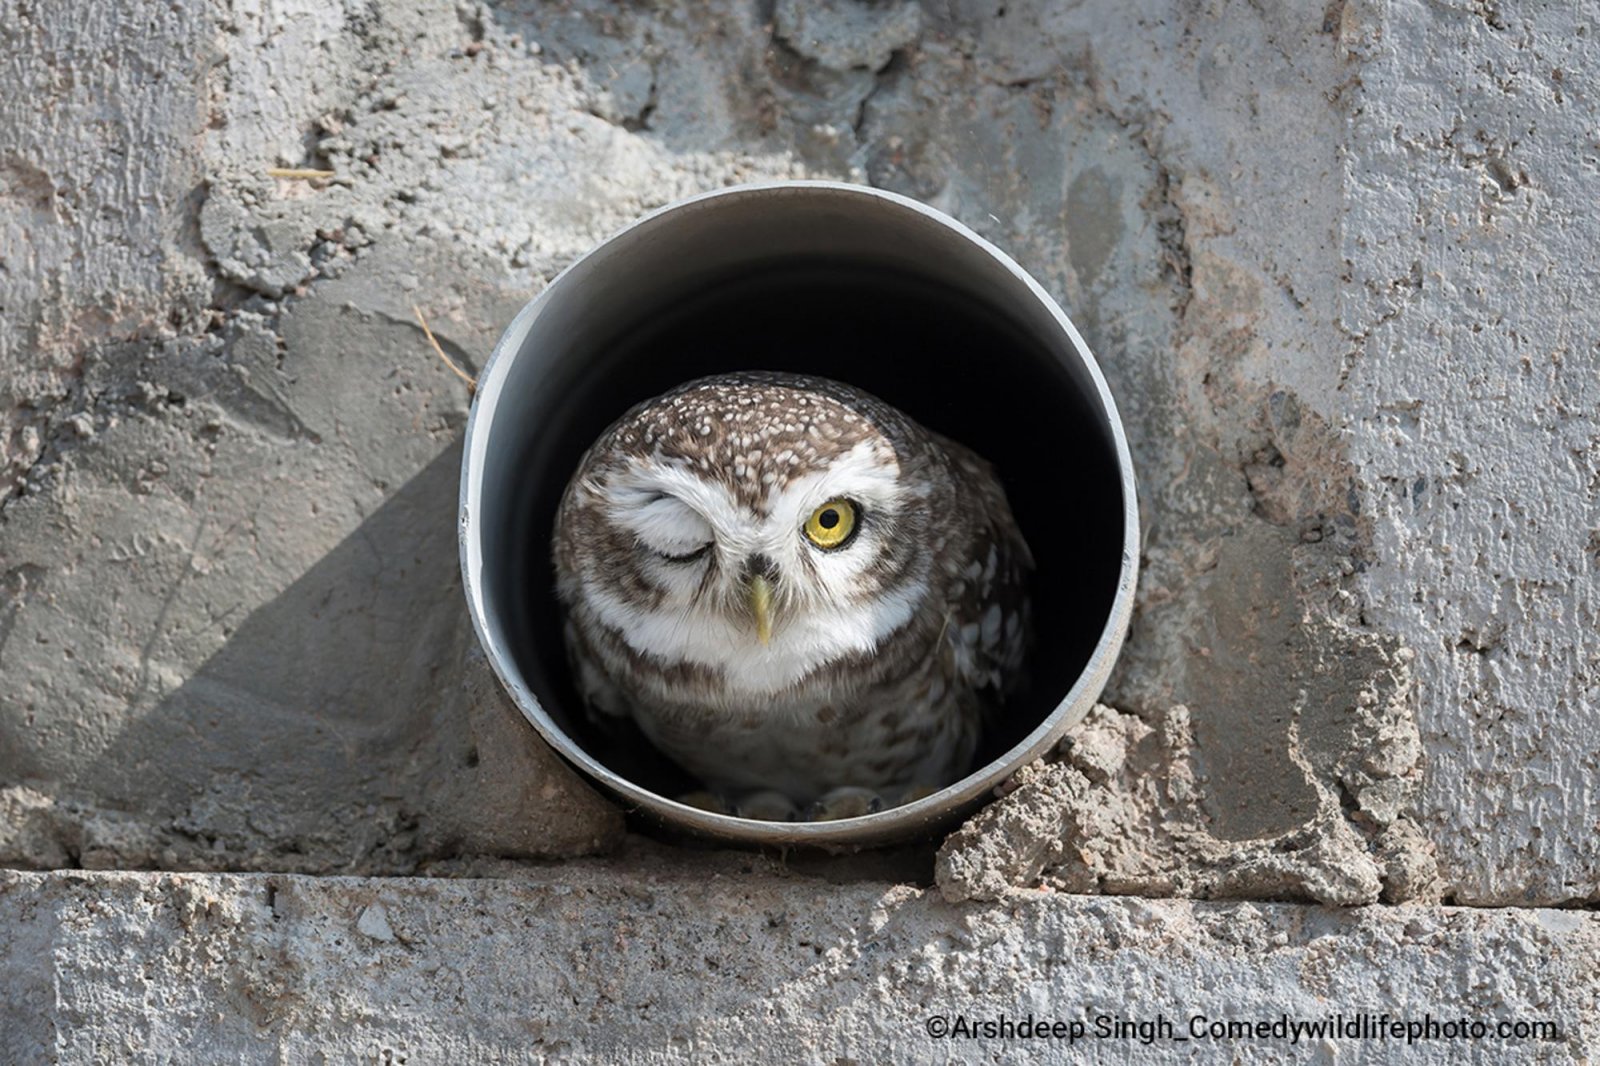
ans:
(1335, 260)
(656, 959)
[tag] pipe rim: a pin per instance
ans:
(897, 822)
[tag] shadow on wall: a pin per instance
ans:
(305, 733)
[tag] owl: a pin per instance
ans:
(803, 597)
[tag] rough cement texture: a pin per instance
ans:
(1332, 258)
(1475, 383)
(1122, 812)
(737, 960)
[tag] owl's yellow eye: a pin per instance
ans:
(831, 524)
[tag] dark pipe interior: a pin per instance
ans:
(951, 363)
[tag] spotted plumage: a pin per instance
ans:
(792, 587)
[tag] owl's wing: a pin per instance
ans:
(990, 623)
(606, 706)
(620, 743)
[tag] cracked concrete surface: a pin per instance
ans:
(1332, 263)
(665, 960)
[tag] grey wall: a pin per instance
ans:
(1335, 261)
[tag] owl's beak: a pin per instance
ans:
(761, 607)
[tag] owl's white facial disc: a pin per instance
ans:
(698, 541)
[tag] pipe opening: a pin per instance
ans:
(947, 340)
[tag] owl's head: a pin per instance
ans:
(760, 524)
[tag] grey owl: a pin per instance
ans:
(796, 592)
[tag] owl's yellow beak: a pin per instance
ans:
(761, 607)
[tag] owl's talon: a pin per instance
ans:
(767, 805)
(844, 802)
(706, 801)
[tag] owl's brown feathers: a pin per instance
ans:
(886, 652)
